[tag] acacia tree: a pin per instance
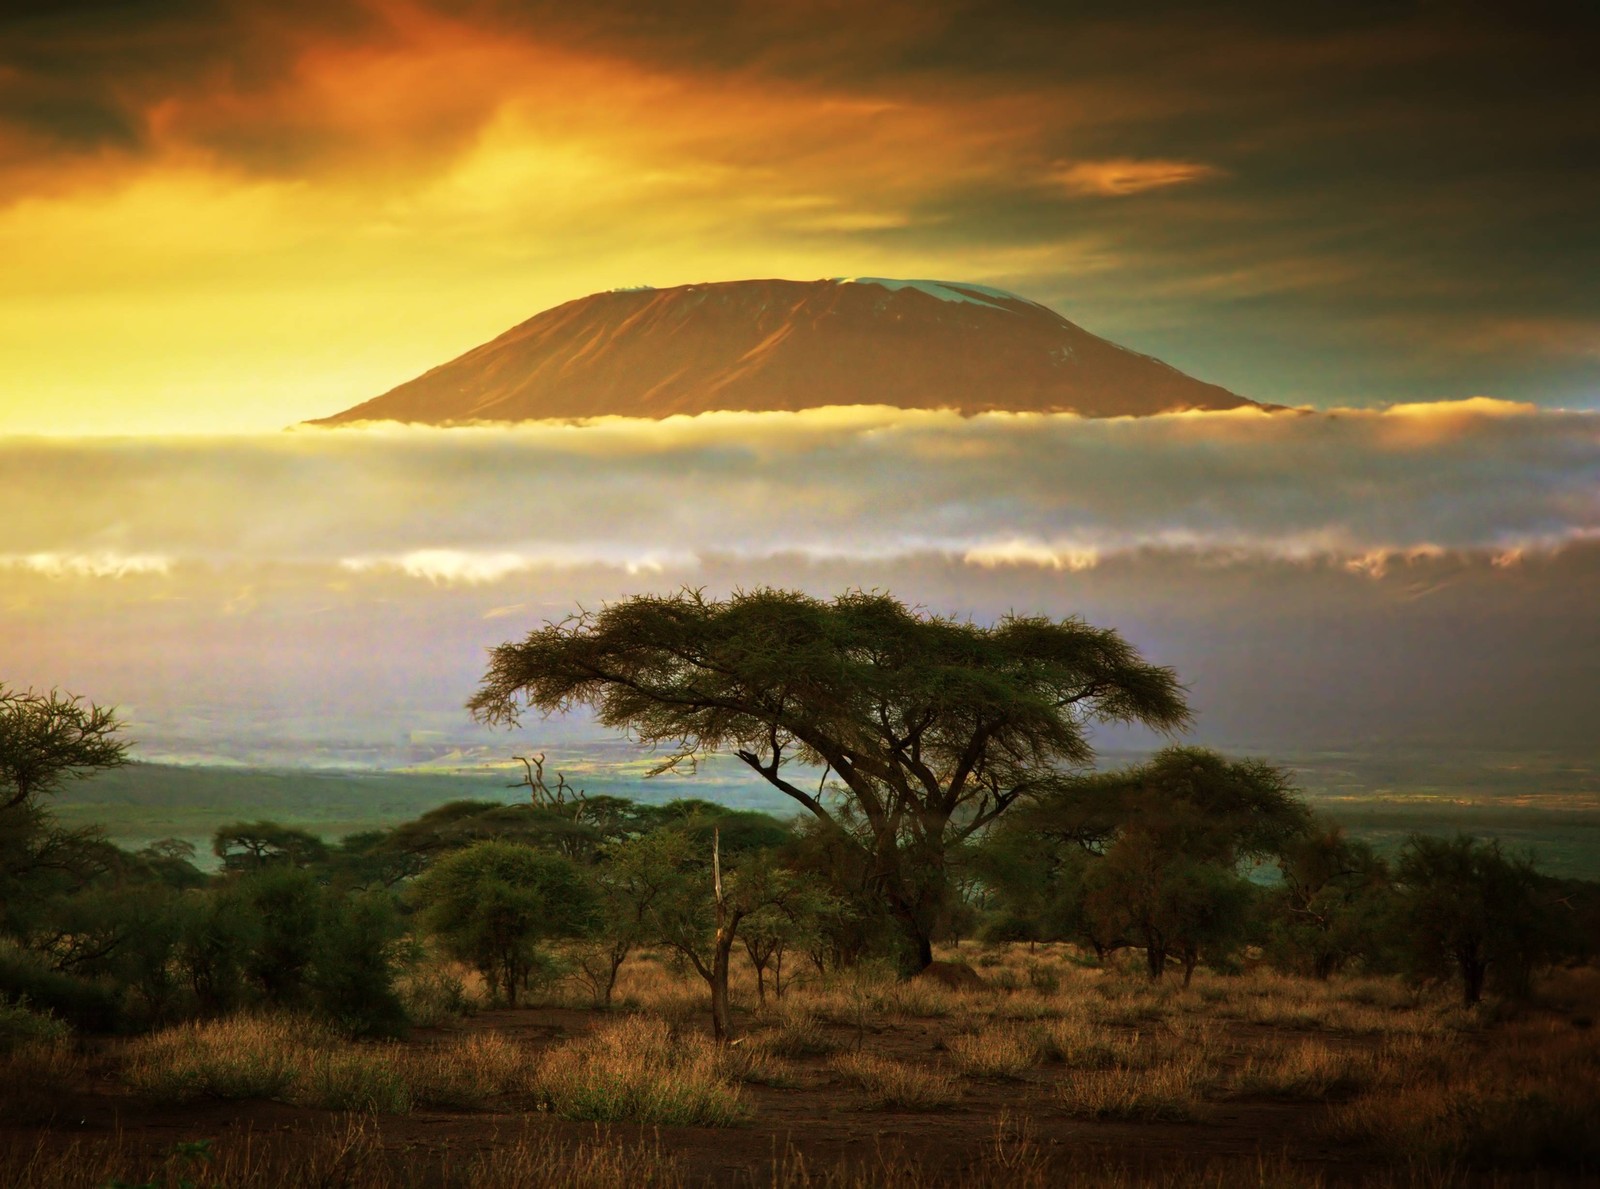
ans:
(931, 726)
(46, 738)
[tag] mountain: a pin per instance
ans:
(785, 345)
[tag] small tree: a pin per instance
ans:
(627, 885)
(46, 739)
(494, 903)
(1173, 833)
(698, 907)
(1332, 906)
(1469, 909)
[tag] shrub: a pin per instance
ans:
(433, 995)
(21, 1026)
(492, 904)
(353, 971)
(87, 1006)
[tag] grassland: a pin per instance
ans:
(1056, 1072)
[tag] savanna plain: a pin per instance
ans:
(1054, 1070)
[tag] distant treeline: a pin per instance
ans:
(1153, 858)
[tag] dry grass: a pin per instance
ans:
(1004, 1053)
(35, 1079)
(242, 1057)
(638, 1070)
(1079, 1044)
(1418, 1087)
(1531, 1099)
(1311, 1070)
(796, 1034)
(890, 1084)
(291, 1060)
(470, 1072)
(1171, 1092)
(350, 1154)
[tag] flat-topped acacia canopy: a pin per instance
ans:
(934, 726)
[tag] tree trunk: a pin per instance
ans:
(916, 955)
(1155, 957)
(1473, 970)
(727, 927)
(619, 955)
(721, 1022)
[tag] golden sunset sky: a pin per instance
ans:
(222, 215)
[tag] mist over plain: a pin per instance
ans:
(1413, 574)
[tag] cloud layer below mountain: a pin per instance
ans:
(1424, 573)
(481, 505)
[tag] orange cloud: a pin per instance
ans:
(1121, 176)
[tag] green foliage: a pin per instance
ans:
(287, 905)
(494, 903)
(1169, 903)
(87, 1006)
(21, 1025)
(1148, 855)
(353, 969)
(216, 934)
(171, 861)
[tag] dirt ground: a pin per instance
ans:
(817, 1121)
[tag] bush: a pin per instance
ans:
(353, 971)
(87, 1006)
(21, 1026)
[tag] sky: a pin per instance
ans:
(233, 215)
(220, 218)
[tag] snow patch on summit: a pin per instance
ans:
(943, 290)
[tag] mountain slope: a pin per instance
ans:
(786, 345)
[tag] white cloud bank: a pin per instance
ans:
(485, 504)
